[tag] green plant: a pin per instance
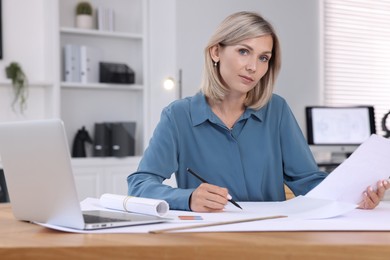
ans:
(84, 8)
(19, 83)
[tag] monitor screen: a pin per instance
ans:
(340, 126)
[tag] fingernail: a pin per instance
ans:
(385, 182)
(229, 197)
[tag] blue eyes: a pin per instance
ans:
(243, 51)
(262, 58)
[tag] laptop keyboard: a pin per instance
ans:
(99, 219)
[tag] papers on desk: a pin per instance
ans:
(366, 166)
(330, 206)
(355, 220)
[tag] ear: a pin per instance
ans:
(214, 53)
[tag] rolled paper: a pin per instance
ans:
(135, 204)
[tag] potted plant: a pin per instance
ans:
(19, 83)
(84, 15)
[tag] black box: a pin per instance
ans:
(116, 73)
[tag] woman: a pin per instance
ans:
(235, 133)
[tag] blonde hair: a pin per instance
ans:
(234, 29)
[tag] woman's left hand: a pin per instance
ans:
(372, 197)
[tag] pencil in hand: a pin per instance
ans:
(204, 181)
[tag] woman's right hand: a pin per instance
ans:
(208, 198)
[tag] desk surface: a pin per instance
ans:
(28, 241)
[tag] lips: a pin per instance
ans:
(246, 79)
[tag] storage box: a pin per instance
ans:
(116, 73)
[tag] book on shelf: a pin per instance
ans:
(105, 18)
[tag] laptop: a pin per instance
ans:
(41, 187)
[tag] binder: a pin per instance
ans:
(114, 139)
(89, 64)
(102, 140)
(71, 63)
(123, 139)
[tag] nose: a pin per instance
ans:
(251, 65)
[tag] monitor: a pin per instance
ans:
(339, 129)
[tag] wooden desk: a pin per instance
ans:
(21, 240)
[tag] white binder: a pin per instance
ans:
(71, 63)
(89, 64)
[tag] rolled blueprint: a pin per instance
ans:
(135, 204)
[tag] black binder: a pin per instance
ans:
(114, 139)
(102, 140)
(123, 139)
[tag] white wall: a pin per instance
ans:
(25, 41)
(297, 25)
(162, 57)
(24, 37)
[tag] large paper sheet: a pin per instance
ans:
(299, 208)
(366, 166)
(355, 220)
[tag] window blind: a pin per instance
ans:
(357, 54)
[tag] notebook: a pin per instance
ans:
(38, 172)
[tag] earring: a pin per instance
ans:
(215, 63)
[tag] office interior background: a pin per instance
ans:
(174, 33)
(177, 34)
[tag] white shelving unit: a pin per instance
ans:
(103, 86)
(94, 102)
(84, 104)
(108, 34)
(96, 176)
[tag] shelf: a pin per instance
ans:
(101, 161)
(85, 103)
(105, 161)
(102, 86)
(97, 33)
(30, 84)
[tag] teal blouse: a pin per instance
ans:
(265, 150)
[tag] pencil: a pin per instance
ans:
(204, 181)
